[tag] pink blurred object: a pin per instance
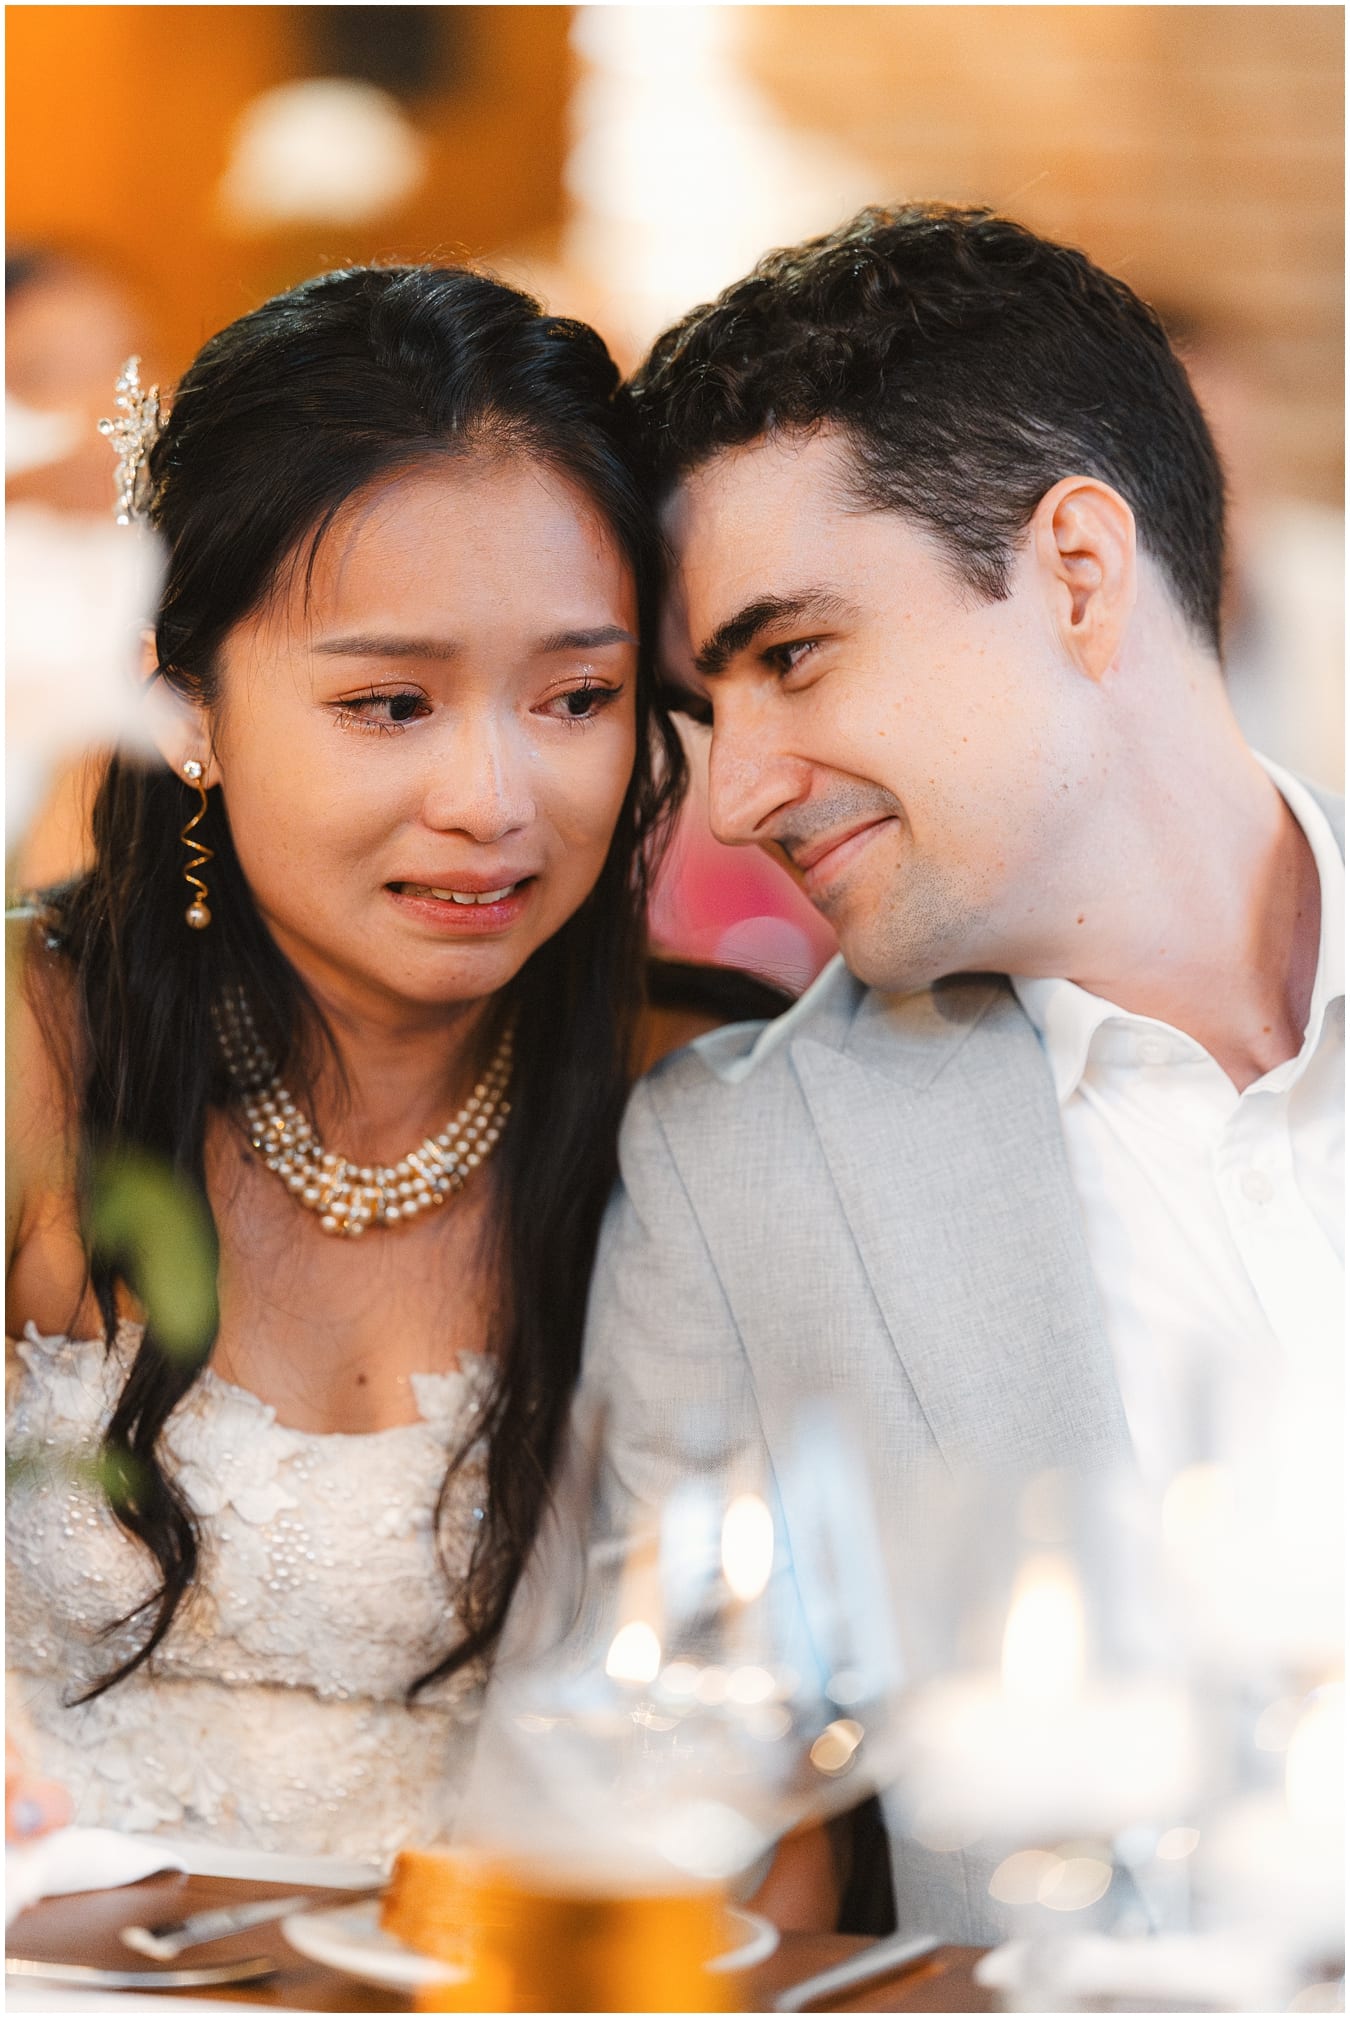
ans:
(734, 906)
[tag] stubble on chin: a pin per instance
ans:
(911, 934)
(903, 922)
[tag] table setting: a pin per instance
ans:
(1066, 1691)
(92, 1927)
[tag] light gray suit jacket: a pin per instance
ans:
(869, 1198)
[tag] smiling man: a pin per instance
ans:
(1057, 1146)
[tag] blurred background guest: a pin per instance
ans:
(70, 322)
(75, 583)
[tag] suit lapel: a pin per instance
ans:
(939, 1122)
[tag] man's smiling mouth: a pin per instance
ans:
(822, 861)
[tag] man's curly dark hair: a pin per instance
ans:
(971, 365)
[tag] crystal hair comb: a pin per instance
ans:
(132, 435)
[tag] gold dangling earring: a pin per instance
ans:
(198, 913)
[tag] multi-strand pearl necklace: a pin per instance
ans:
(349, 1197)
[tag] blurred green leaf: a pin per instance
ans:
(26, 1464)
(113, 1473)
(154, 1222)
(119, 1475)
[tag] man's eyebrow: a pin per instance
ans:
(739, 632)
(382, 646)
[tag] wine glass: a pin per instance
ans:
(723, 1670)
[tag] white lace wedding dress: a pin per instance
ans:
(274, 1715)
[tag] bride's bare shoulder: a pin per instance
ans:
(43, 1040)
(44, 1252)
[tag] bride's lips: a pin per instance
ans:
(467, 908)
(823, 862)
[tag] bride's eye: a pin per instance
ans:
(583, 703)
(382, 710)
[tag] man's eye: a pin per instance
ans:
(786, 658)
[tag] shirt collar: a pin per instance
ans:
(1067, 1018)
(1329, 980)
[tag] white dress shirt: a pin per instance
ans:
(1214, 1218)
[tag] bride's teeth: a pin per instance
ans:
(469, 897)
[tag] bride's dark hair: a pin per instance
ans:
(285, 415)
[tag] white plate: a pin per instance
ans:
(351, 1938)
(761, 1938)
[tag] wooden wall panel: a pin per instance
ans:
(1198, 151)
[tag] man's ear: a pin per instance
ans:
(178, 726)
(1083, 538)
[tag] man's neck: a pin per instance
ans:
(1213, 920)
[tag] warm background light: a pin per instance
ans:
(624, 161)
(123, 120)
(1197, 150)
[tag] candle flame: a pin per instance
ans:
(634, 1653)
(747, 1545)
(1314, 1765)
(1043, 1639)
(1198, 1512)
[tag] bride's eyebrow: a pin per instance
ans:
(388, 648)
(586, 640)
(382, 647)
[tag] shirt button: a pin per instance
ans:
(1154, 1051)
(1257, 1186)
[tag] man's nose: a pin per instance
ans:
(750, 780)
(479, 781)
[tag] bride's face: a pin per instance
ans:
(424, 745)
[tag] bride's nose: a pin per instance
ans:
(478, 780)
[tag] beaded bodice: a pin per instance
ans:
(274, 1714)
